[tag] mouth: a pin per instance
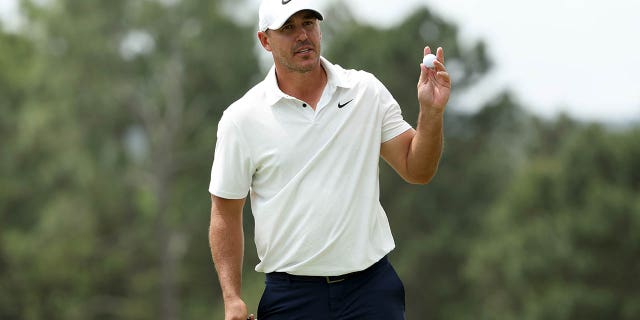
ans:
(304, 50)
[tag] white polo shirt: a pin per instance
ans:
(312, 175)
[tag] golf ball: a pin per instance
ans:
(428, 60)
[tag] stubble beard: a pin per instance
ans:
(305, 67)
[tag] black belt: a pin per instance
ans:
(280, 276)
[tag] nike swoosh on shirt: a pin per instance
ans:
(340, 105)
(285, 1)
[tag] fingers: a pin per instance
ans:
(439, 66)
(440, 54)
(439, 71)
(441, 75)
(443, 79)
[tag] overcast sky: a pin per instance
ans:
(577, 56)
(581, 57)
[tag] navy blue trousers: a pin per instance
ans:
(376, 293)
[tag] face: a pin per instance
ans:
(296, 45)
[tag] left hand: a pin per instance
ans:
(434, 85)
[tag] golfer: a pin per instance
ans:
(305, 144)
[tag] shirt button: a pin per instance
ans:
(304, 105)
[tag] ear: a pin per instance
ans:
(264, 40)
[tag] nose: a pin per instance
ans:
(302, 35)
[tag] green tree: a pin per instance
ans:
(106, 196)
(562, 242)
(16, 56)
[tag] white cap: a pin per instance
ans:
(274, 13)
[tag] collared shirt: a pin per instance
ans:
(312, 175)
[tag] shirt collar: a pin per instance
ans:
(335, 77)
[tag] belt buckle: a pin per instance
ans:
(330, 281)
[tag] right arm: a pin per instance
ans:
(226, 238)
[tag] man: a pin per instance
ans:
(306, 143)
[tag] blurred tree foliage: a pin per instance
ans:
(562, 241)
(106, 209)
(109, 113)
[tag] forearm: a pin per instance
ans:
(426, 146)
(434, 88)
(226, 239)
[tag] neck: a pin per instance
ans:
(306, 86)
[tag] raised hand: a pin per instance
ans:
(434, 85)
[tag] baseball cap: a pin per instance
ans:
(274, 13)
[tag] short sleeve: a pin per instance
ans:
(232, 167)
(393, 124)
